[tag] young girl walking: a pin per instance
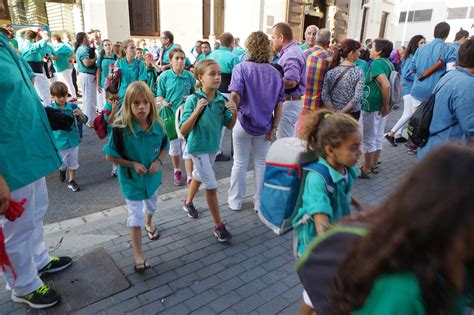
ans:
(106, 58)
(131, 69)
(204, 115)
(138, 145)
(336, 139)
(173, 89)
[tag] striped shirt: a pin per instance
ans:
(318, 60)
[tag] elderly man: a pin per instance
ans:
(309, 37)
(293, 63)
(318, 60)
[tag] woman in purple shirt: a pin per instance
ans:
(257, 89)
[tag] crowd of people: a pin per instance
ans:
(321, 91)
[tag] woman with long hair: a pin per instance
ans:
(416, 257)
(395, 135)
(257, 88)
(343, 85)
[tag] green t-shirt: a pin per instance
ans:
(202, 56)
(31, 51)
(130, 72)
(66, 139)
(143, 147)
(151, 78)
(400, 293)
(64, 54)
(225, 58)
(173, 87)
(205, 136)
(374, 100)
(365, 67)
(103, 63)
(27, 150)
(315, 200)
(81, 54)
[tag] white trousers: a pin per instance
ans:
(89, 95)
(289, 118)
(42, 87)
(373, 127)
(66, 77)
(245, 143)
(24, 239)
(407, 112)
(70, 158)
(202, 170)
(138, 208)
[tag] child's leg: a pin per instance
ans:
(192, 191)
(135, 221)
(189, 168)
(213, 204)
(150, 208)
(71, 174)
(175, 152)
(175, 162)
(73, 163)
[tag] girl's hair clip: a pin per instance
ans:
(326, 116)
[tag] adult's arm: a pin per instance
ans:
(384, 85)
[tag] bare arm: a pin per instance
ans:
(188, 125)
(235, 97)
(321, 222)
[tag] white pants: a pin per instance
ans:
(289, 118)
(407, 112)
(138, 208)
(70, 158)
(101, 99)
(202, 170)
(66, 77)
(380, 131)
(24, 239)
(89, 95)
(415, 103)
(245, 143)
(42, 87)
(368, 121)
(178, 147)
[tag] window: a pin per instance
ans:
(457, 13)
(422, 15)
(471, 15)
(218, 18)
(383, 24)
(416, 16)
(144, 17)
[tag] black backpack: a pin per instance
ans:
(317, 268)
(418, 129)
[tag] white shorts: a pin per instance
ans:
(178, 147)
(202, 170)
(307, 300)
(138, 208)
(368, 120)
(70, 158)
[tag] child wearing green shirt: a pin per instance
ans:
(67, 142)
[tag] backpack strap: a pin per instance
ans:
(339, 77)
(323, 171)
(117, 136)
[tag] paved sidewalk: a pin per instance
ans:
(192, 273)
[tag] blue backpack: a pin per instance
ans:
(287, 165)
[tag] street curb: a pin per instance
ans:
(122, 210)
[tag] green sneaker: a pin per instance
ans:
(43, 297)
(56, 264)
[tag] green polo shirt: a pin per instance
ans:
(165, 59)
(143, 147)
(205, 137)
(27, 150)
(103, 62)
(173, 87)
(81, 54)
(64, 54)
(14, 42)
(400, 293)
(31, 51)
(303, 47)
(202, 56)
(135, 71)
(108, 107)
(225, 58)
(374, 98)
(238, 51)
(66, 139)
(315, 200)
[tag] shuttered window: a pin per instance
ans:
(144, 17)
(218, 18)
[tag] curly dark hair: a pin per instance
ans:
(425, 226)
(413, 45)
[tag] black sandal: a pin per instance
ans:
(152, 235)
(364, 175)
(140, 268)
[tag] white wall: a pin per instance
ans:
(440, 13)
(184, 19)
(118, 20)
(94, 13)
